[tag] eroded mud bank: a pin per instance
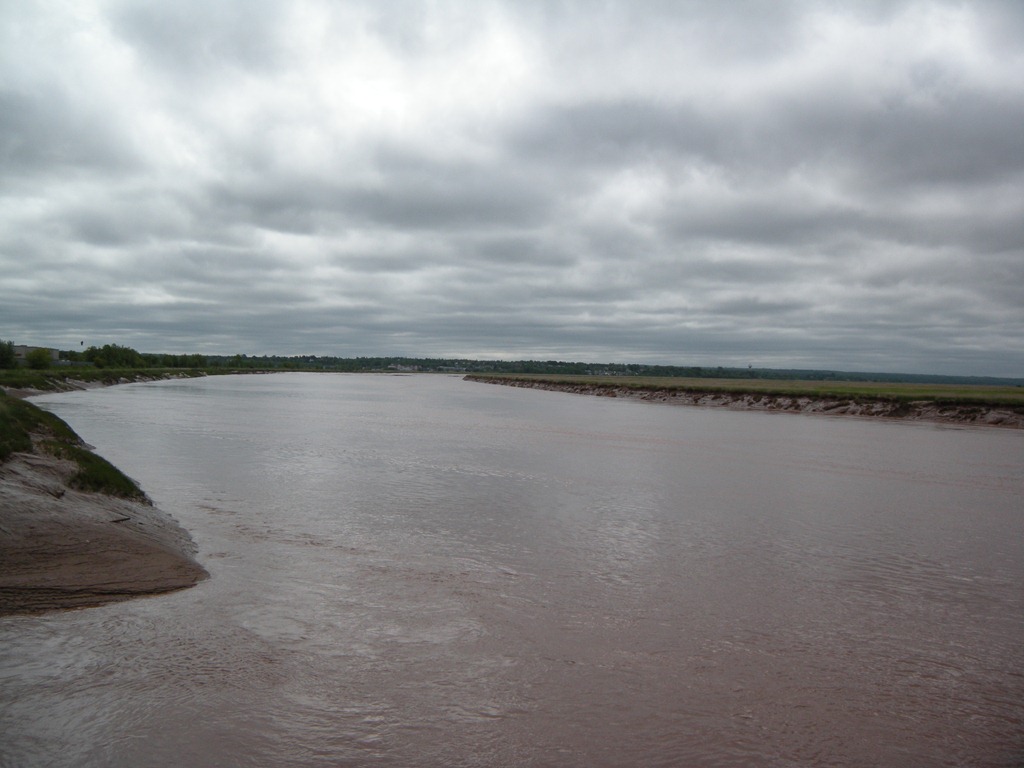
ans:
(924, 410)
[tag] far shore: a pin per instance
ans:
(973, 414)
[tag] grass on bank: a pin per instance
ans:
(52, 379)
(942, 394)
(20, 420)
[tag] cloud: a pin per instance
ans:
(790, 184)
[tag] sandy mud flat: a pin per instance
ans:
(66, 548)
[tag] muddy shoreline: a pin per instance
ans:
(64, 548)
(61, 547)
(923, 410)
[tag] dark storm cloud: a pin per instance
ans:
(793, 184)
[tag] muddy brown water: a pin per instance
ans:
(422, 571)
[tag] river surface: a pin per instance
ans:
(422, 571)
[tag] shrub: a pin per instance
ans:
(38, 359)
(7, 358)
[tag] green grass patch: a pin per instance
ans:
(20, 420)
(95, 473)
(14, 436)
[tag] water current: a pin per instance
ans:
(423, 571)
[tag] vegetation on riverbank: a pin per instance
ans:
(941, 394)
(26, 428)
(19, 420)
(61, 379)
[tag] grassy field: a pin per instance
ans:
(938, 393)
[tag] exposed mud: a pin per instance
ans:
(65, 548)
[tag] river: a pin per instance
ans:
(423, 571)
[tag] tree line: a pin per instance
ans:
(107, 356)
(117, 356)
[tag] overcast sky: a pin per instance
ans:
(781, 184)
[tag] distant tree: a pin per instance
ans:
(114, 356)
(176, 361)
(38, 359)
(7, 358)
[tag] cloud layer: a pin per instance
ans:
(798, 184)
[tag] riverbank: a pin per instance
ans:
(975, 414)
(28, 384)
(74, 532)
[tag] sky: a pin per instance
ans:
(778, 184)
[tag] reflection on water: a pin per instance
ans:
(425, 571)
